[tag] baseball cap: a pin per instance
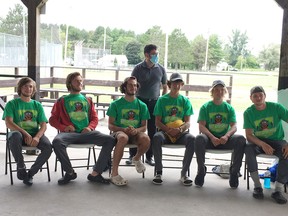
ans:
(256, 89)
(175, 77)
(218, 82)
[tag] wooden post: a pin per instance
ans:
(283, 69)
(34, 7)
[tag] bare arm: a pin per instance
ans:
(165, 89)
(203, 129)
(230, 132)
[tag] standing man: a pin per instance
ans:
(217, 125)
(151, 75)
(75, 117)
(27, 122)
(264, 132)
(173, 113)
(128, 121)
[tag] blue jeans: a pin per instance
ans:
(16, 140)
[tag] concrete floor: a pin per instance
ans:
(140, 197)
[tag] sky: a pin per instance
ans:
(263, 25)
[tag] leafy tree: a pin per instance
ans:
(215, 51)
(119, 46)
(237, 46)
(198, 51)
(179, 49)
(155, 36)
(13, 23)
(270, 56)
(133, 50)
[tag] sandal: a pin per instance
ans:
(118, 180)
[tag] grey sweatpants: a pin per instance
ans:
(62, 140)
(16, 140)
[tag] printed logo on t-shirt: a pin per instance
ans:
(28, 119)
(78, 113)
(218, 122)
(173, 113)
(265, 127)
(129, 117)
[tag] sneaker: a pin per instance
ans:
(99, 179)
(258, 193)
(129, 161)
(67, 178)
(28, 180)
(21, 173)
(199, 179)
(139, 166)
(157, 180)
(150, 161)
(186, 181)
(278, 197)
(234, 181)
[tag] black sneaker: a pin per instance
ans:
(258, 193)
(199, 179)
(28, 180)
(21, 173)
(99, 179)
(150, 161)
(234, 181)
(278, 197)
(157, 180)
(67, 178)
(129, 161)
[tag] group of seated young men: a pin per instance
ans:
(75, 118)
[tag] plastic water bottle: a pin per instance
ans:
(267, 178)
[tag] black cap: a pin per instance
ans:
(175, 77)
(218, 82)
(256, 89)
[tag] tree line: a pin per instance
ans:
(182, 52)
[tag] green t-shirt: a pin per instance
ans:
(77, 108)
(171, 109)
(266, 123)
(128, 113)
(218, 117)
(27, 115)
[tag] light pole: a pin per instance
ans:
(206, 55)
(166, 51)
(66, 42)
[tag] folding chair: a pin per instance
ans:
(262, 165)
(9, 162)
(91, 147)
(168, 158)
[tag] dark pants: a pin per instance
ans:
(186, 139)
(151, 128)
(62, 140)
(16, 140)
(235, 142)
(253, 150)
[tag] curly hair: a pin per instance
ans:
(123, 86)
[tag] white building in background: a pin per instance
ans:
(112, 61)
(222, 66)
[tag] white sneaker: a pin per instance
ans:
(139, 166)
(186, 181)
(157, 180)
